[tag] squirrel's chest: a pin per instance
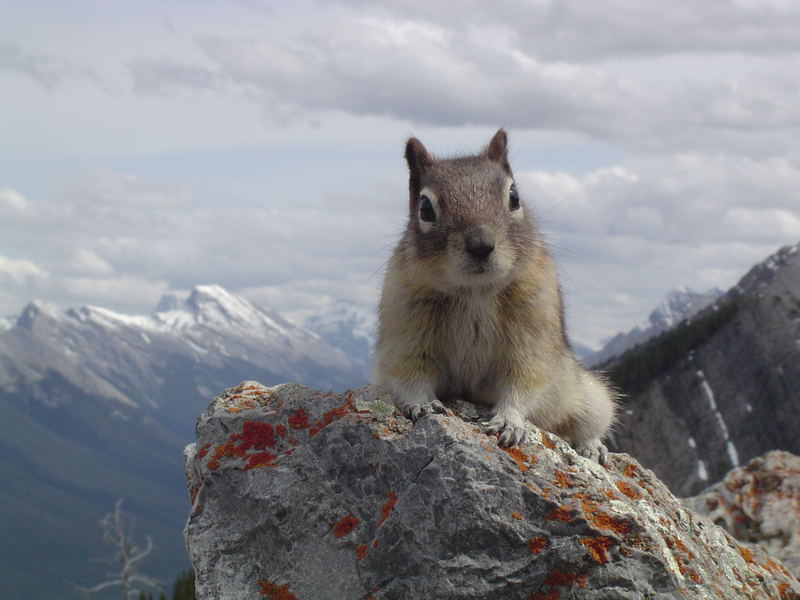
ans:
(469, 345)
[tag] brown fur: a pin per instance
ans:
(486, 326)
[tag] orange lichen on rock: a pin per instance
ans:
(609, 494)
(628, 490)
(344, 526)
(600, 519)
(562, 513)
(520, 458)
(547, 441)
(746, 553)
(537, 544)
(361, 551)
(629, 471)
(517, 515)
(203, 451)
(274, 591)
(785, 592)
(598, 547)
(562, 480)
(549, 595)
(387, 508)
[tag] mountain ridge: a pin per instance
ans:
(720, 388)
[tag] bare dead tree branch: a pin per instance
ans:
(118, 532)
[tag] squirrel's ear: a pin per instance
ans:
(417, 157)
(497, 150)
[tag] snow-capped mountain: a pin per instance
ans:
(347, 326)
(677, 306)
(98, 405)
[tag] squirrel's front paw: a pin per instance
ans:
(593, 450)
(511, 432)
(416, 411)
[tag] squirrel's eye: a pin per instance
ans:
(426, 212)
(513, 198)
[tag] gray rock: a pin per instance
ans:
(305, 495)
(759, 503)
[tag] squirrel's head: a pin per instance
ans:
(467, 224)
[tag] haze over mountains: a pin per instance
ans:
(98, 406)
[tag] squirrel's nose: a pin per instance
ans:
(479, 243)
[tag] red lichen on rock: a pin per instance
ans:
(344, 526)
(260, 459)
(281, 431)
(203, 451)
(598, 547)
(562, 513)
(537, 544)
(517, 515)
(630, 492)
(299, 419)
(332, 415)
(562, 579)
(520, 458)
(274, 591)
(254, 436)
(361, 551)
(387, 508)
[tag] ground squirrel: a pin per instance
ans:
(471, 307)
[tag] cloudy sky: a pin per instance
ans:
(151, 146)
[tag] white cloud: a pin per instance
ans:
(113, 230)
(12, 200)
(19, 270)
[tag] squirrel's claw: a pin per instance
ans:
(416, 411)
(593, 450)
(508, 433)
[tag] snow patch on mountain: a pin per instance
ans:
(347, 326)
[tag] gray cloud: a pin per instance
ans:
(461, 74)
(48, 71)
(579, 31)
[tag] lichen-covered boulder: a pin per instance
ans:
(759, 503)
(305, 495)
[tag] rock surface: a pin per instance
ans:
(759, 503)
(305, 495)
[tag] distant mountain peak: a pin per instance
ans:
(678, 305)
(36, 308)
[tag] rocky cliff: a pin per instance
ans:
(720, 389)
(305, 495)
